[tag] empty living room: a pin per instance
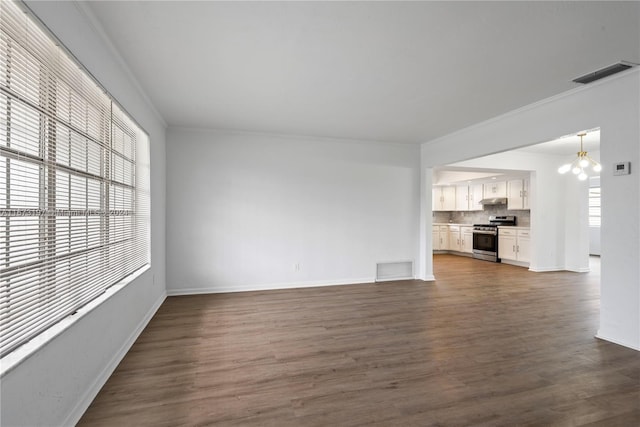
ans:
(319, 213)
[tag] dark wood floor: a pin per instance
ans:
(486, 345)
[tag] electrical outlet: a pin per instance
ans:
(296, 266)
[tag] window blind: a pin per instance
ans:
(74, 184)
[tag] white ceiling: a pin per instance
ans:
(390, 71)
(567, 145)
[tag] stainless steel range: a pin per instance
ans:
(485, 237)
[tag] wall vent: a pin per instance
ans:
(604, 72)
(400, 270)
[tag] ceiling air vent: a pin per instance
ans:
(603, 72)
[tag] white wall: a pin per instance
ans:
(57, 383)
(613, 105)
(243, 209)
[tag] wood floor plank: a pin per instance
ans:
(486, 344)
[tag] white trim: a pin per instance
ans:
(616, 341)
(545, 269)
(268, 287)
(579, 269)
(31, 347)
(395, 279)
(90, 394)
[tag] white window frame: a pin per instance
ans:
(74, 187)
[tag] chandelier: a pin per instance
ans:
(581, 163)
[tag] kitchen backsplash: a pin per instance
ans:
(523, 218)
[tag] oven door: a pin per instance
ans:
(485, 245)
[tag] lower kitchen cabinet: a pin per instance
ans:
(454, 238)
(466, 238)
(440, 238)
(514, 244)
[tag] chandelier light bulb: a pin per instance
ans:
(581, 163)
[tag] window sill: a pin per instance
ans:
(28, 349)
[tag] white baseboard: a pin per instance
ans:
(267, 287)
(395, 279)
(579, 269)
(623, 343)
(84, 402)
(544, 269)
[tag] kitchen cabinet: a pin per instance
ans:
(495, 189)
(466, 239)
(454, 238)
(476, 192)
(514, 244)
(518, 194)
(440, 240)
(524, 246)
(462, 197)
(444, 198)
(468, 197)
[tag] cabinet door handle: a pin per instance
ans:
(514, 248)
(518, 248)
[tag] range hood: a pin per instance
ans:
(494, 201)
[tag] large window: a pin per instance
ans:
(74, 184)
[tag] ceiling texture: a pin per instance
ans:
(380, 71)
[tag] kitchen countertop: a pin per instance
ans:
(513, 227)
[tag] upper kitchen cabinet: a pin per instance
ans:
(476, 192)
(462, 197)
(495, 189)
(468, 197)
(518, 194)
(444, 198)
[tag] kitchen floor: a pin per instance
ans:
(486, 344)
